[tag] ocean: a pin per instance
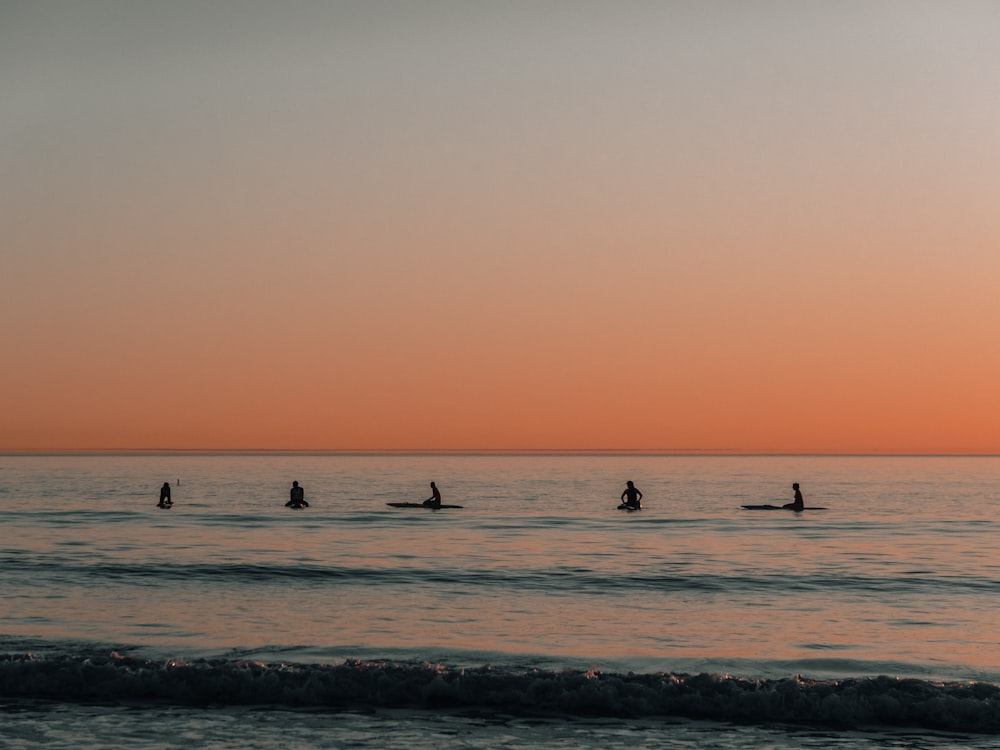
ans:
(537, 615)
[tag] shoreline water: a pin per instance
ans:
(968, 707)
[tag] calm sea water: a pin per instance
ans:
(538, 615)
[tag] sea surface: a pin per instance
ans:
(538, 615)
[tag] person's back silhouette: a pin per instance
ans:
(297, 497)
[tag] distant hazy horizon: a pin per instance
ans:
(553, 452)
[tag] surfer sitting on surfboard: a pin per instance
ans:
(632, 497)
(434, 501)
(165, 501)
(799, 503)
(298, 497)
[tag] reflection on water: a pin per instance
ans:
(903, 567)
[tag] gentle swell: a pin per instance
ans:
(575, 579)
(963, 707)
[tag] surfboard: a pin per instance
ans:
(629, 508)
(421, 505)
(781, 507)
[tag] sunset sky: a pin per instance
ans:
(567, 225)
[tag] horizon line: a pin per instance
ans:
(734, 452)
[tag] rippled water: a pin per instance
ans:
(899, 576)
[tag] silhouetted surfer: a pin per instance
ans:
(298, 497)
(799, 503)
(434, 501)
(165, 501)
(632, 497)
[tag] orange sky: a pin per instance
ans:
(751, 227)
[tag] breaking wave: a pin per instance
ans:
(853, 702)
